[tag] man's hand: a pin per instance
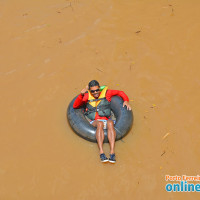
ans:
(127, 105)
(83, 91)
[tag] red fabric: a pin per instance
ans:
(81, 100)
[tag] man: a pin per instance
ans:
(98, 111)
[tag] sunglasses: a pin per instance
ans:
(93, 91)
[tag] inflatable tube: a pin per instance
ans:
(81, 126)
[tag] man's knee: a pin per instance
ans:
(110, 124)
(99, 124)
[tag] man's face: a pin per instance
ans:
(95, 91)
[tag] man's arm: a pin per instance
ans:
(111, 93)
(80, 100)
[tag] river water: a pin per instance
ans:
(49, 51)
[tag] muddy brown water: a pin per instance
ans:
(49, 50)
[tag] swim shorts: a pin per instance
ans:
(104, 122)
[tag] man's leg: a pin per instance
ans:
(111, 135)
(99, 134)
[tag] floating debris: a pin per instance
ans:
(99, 70)
(163, 153)
(166, 135)
(153, 106)
(36, 27)
(172, 13)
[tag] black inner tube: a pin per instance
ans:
(81, 126)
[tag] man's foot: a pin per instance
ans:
(103, 158)
(112, 158)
